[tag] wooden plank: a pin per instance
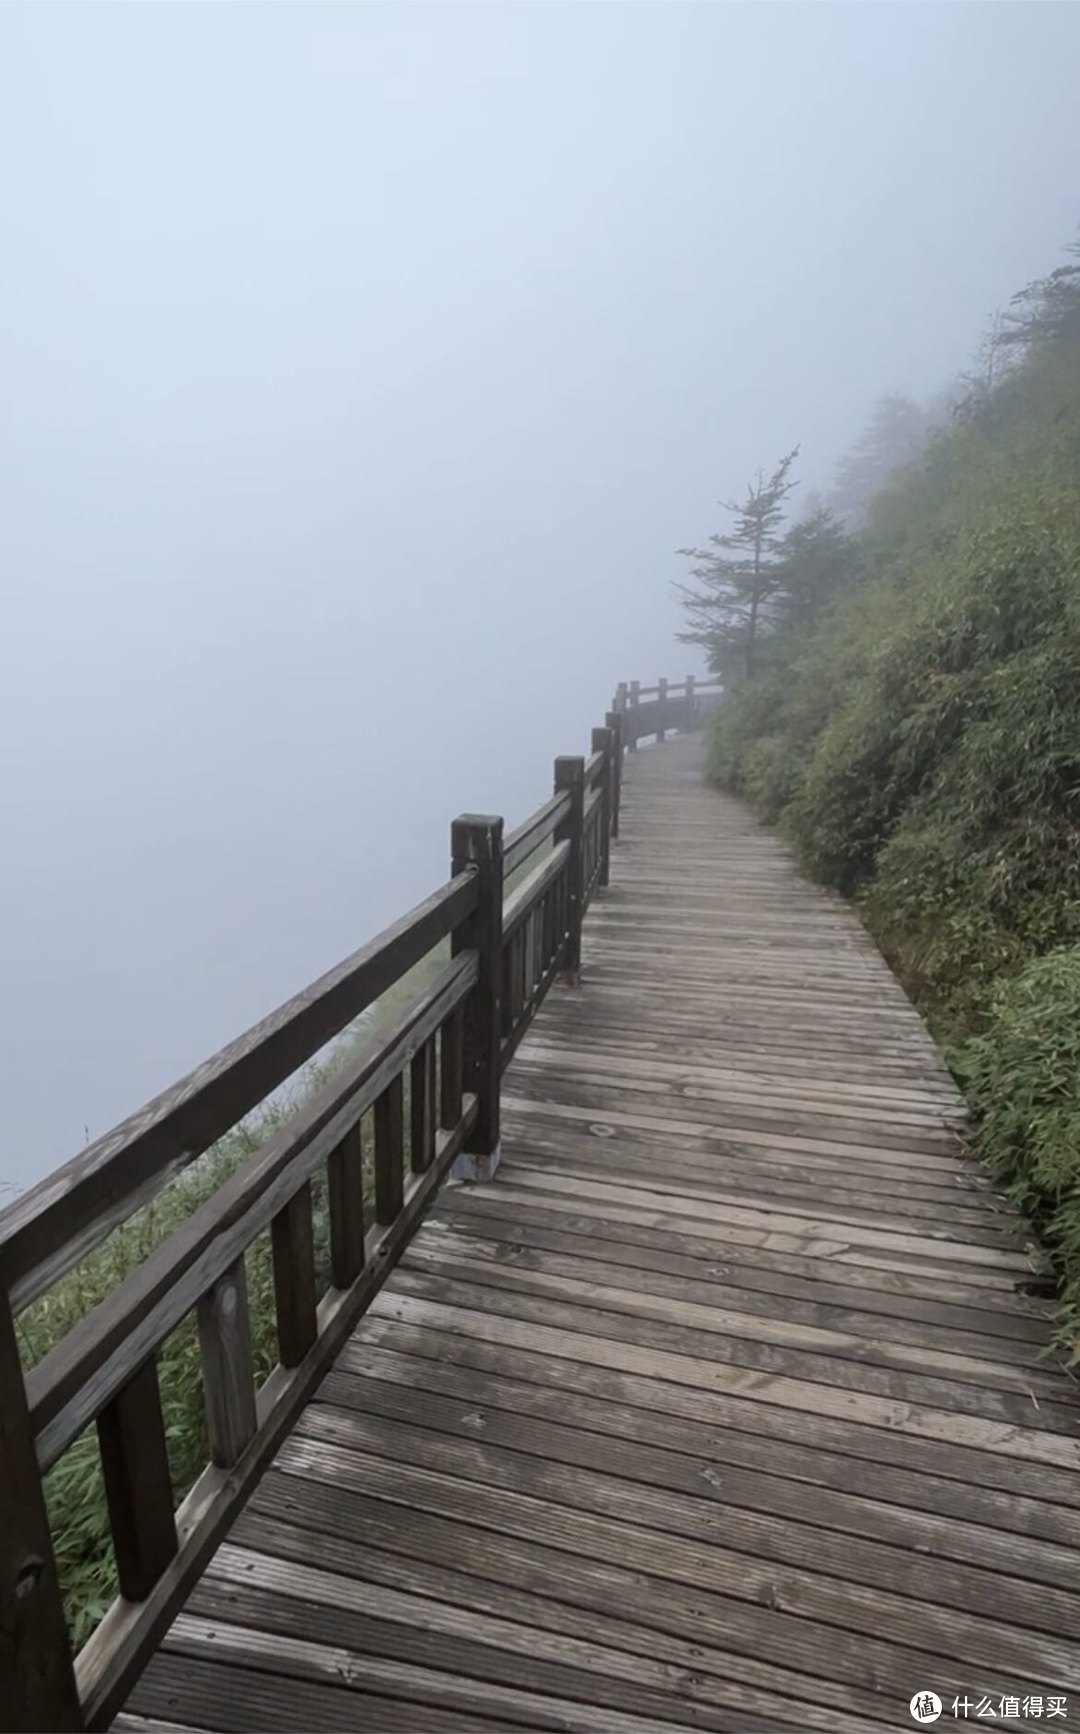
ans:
(756, 1648)
(594, 1511)
(138, 1486)
(612, 1345)
(515, 1383)
(456, 1569)
(227, 1368)
(838, 1533)
(328, 1663)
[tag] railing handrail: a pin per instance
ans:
(432, 1086)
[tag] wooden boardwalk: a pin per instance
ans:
(721, 1407)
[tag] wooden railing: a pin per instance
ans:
(656, 710)
(420, 1099)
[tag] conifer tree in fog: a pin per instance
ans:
(895, 434)
(738, 573)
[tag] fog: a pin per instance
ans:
(363, 368)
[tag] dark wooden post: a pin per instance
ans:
(614, 721)
(138, 1485)
(661, 707)
(37, 1677)
(620, 697)
(635, 697)
(690, 718)
(603, 741)
(476, 842)
(570, 777)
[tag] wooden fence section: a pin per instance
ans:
(417, 1100)
(721, 1408)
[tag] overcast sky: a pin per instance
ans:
(363, 367)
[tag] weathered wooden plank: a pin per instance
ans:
(615, 1346)
(967, 1517)
(587, 1510)
(752, 1646)
(841, 1533)
(458, 1568)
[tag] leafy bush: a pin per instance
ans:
(1022, 1077)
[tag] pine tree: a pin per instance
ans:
(737, 574)
(895, 434)
(816, 559)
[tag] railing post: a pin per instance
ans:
(661, 706)
(570, 776)
(37, 1676)
(603, 741)
(635, 697)
(476, 841)
(690, 718)
(614, 721)
(620, 697)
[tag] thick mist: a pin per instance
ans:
(364, 366)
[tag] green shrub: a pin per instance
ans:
(1022, 1078)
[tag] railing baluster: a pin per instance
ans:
(450, 1086)
(570, 776)
(690, 718)
(138, 1485)
(293, 1243)
(476, 842)
(661, 707)
(603, 741)
(422, 1108)
(616, 723)
(345, 1192)
(635, 699)
(390, 1152)
(227, 1367)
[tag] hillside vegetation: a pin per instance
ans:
(915, 732)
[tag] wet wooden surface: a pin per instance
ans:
(721, 1407)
